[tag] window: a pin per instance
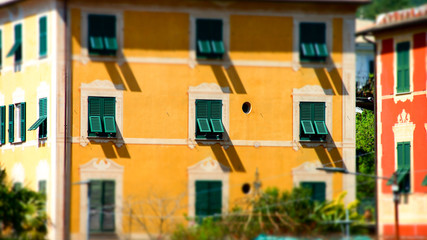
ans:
(42, 187)
(43, 36)
(402, 67)
(102, 34)
(102, 204)
(208, 198)
(101, 116)
(17, 123)
(2, 124)
(209, 39)
(17, 46)
(41, 122)
(312, 121)
(317, 189)
(17, 186)
(313, 42)
(209, 119)
(403, 167)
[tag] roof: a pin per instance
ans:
(8, 2)
(362, 24)
(395, 19)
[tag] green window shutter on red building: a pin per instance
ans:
(2, 124)
(11, 122)
(403, 67)
(43, 36)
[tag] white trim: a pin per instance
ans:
(408, 95)
(18, 173)
(85, 12)
(101, 88)
(217, 15)
(207, 169)
(18, 95)
(311, 93)
(327, 20)
(403, 131)
(208, 91)
(104, 169)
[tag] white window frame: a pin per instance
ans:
(101, 88)
(403, 131)
(311, 93)
(214, 15)
(84, 27)
(208, 91)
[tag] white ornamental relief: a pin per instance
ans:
(404, 117)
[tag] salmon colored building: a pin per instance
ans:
(169, 108)
(402, 119)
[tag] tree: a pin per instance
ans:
(365, 161)
(370, 11)
(22, 214)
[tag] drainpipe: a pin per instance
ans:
(66, 162)
(376, 130)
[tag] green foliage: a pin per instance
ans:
(376, 7)
(365, 131)
(278, 213)
(21, 212)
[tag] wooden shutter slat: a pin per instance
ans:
(319, 111)
(94, 106)
(216, 109)
(109, 124)
(305, 111)
(202, 109)
(109, 107)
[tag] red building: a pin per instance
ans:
(401, 104)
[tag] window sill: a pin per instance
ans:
(403, 93)
(17, 142)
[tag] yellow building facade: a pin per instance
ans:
(182, 102)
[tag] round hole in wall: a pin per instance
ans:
(246, 188)
(247, 107)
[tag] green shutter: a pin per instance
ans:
(17, 186)
(43, 107)
(305, 111)
(42, 118)
(209, 38)
(95, 205)
(43, 36)
(109, 124)
(11, 122)
(307, 127)
(319, 111)
(321, 127)
(202, 109)
(217, 125)
(37, 123)
(403, 166)
(204, 46)
(203, 125)
(407, 149)
(317, 190)
(208, 198)
(400, 155)
(16, 48)
(217, 47)
(313, 41)
(110, 43)
(216, 109)
(95, 106)
(403, 67)
(307, 49)
(3, 124)
(23, 122)
(108, 206)
(95, 124)
(102, 38)
(424, 183)
(42, 187)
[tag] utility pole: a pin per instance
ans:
(395, 188)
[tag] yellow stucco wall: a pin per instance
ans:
(155, 100)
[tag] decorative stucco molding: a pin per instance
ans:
(18, 173)
(208, 91)
(102, 169)
(101, 88)
(18, 95)
(207, 169)
(311, 93)
(403, 131)
(307, 172)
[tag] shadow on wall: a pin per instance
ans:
(226, 154)
(111, 150)
(329, 158)
(331, 80)
(122, 74)
(225, 76)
